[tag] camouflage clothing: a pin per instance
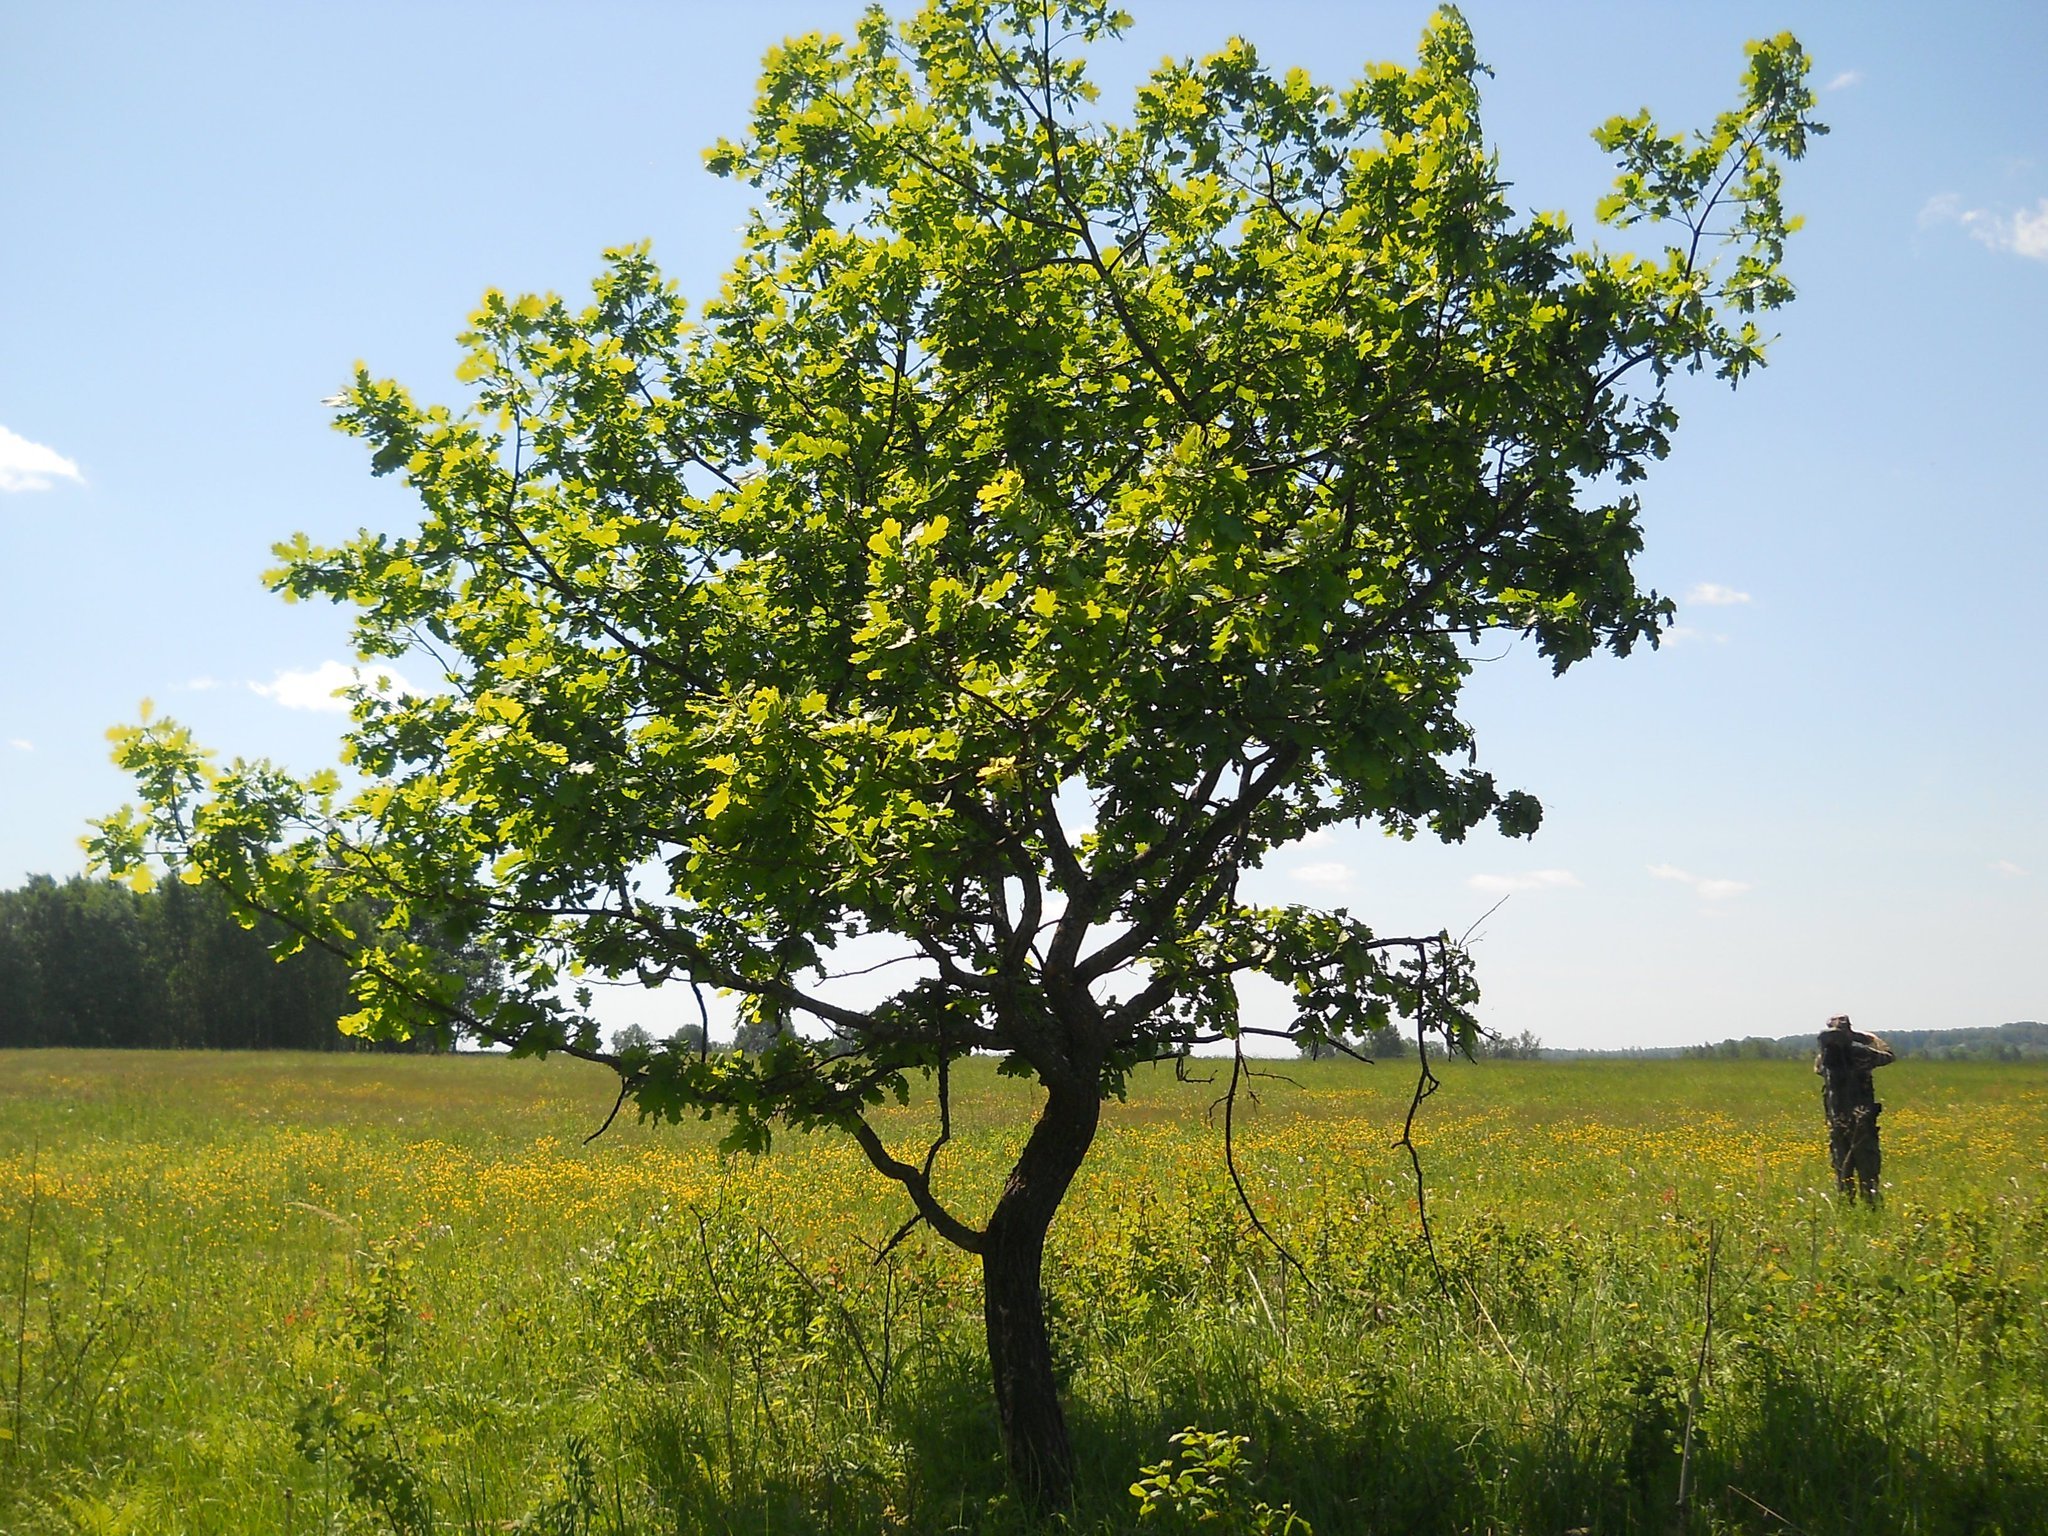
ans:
(1845, 1061)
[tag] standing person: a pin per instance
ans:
(1846, 1059)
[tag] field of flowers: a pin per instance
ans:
(338, 1294)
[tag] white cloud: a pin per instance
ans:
(20, 745)
(1685, 634)
(1941, 208)
(1531, 880)
(1844, 80)
(2003, 866)
(2030, 232)
(1330, 874)
(1711, 594)
(27, 466)
(2023, 233)
(1710, 889)
(202, 685)
(318, 688)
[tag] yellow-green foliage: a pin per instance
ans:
(261, 1293)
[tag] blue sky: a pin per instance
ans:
(1824, 794)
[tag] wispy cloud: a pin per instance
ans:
(1708, 888)
(1942, 208)
(1711, 594)
(1329, 875)
(2003, 866)
(1844, 80)
(21, 745)
(2023, 232)
(202, 684)
(1529, 880)
(27, 466)
(320, 688)
(1685, 634)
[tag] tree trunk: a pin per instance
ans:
(1013, 1305)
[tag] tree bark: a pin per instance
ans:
(1034, 1428)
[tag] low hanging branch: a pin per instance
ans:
(625, 1088)
(1238, 1072)
(1426, 1083)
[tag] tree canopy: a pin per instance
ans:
(1048, 518)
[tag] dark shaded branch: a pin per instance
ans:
(918, 1186)
(1196, 863)
(1426, 1083)
(625, 1087)
(896, 1238)
(945, 1135)
(1237, 1072)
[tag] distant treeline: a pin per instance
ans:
(2025, 1040)
(92, 963)
(1388, 1041)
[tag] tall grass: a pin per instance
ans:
(378, 1294)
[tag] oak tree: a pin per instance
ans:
(1049, 518)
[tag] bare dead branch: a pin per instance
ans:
(1426, 1083)
(918, 1186)
(625, 1087)
(1237, 1070)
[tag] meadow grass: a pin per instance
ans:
(372, 1293)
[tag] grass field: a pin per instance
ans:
(314, 1294)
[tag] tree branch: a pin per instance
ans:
(919, 1187)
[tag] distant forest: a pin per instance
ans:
(2024, 1040)
(92, 963)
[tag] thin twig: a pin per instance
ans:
(884, 1250)
(878, 1377)
(1465, 937)
(1230, 1161)
(28, 1248)
(1426, 1083)
(625, 1087)
(1277, 1077)
(1796, 1530)
(1494, 1328)
(1265, 1306)
(1699, 1370)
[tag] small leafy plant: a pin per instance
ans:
(1210, 1489)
